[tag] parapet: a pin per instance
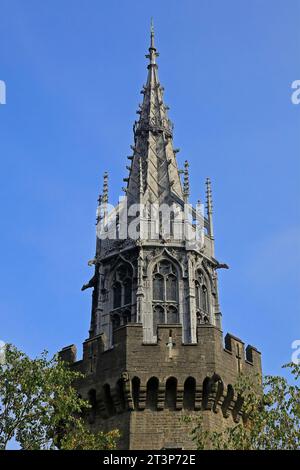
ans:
(68, 353)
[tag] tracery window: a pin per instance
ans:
(201, 294)
(122, 297)
(165, 293)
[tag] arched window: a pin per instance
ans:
(135, 383)
(171, 392)
(121, 394)
(122, 296)
(189, 394)
(204, 298)
(158, 287)
(201, 297)
(152, 392)
(165, 293)
(171, 287)
(108, 401)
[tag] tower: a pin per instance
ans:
(155, 350)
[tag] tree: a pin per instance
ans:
(271, 417)
(40, 408)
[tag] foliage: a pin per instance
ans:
(39, 407)
(271, 417)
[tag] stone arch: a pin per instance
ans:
(135, 386)
(171, 393)
(108, 401)
(212, 392)
(189, 393)
(152, 393)
(165, 254)
(228, 401)
(121, 394)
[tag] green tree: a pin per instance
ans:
(39, 407)
(271, 417)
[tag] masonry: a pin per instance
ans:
(155, 351)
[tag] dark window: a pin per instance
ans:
(201, 297)
(108, 401)
(135, 391)
(121, 394)
(189, 394)
(204, 298)
(165, 293)
(117, 294)
(171, 392)
(158, 316)
(172, 315)
(158, 287)
(116, 322)
(152, 392)
(171, 284)
(127, 291)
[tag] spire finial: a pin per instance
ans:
(152, 46)
(209, 207)
(105, 188)
(152, 49)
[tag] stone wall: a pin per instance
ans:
(145, 389)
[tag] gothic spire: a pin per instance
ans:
(153, 143)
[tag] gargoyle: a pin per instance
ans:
(222, 266)
(91, 283)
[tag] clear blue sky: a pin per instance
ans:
(73, 72)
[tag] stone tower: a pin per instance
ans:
(155, 350)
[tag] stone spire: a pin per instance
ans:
(153, 143)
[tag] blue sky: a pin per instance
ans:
(73, 72)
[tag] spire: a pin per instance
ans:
(209, 208)
(153, 144)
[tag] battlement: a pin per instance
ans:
(166, 375)
(129, 350)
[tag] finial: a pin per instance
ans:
(209, 207)
(105, 188)
(152, 50)
(186, 182)
(152, 46)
